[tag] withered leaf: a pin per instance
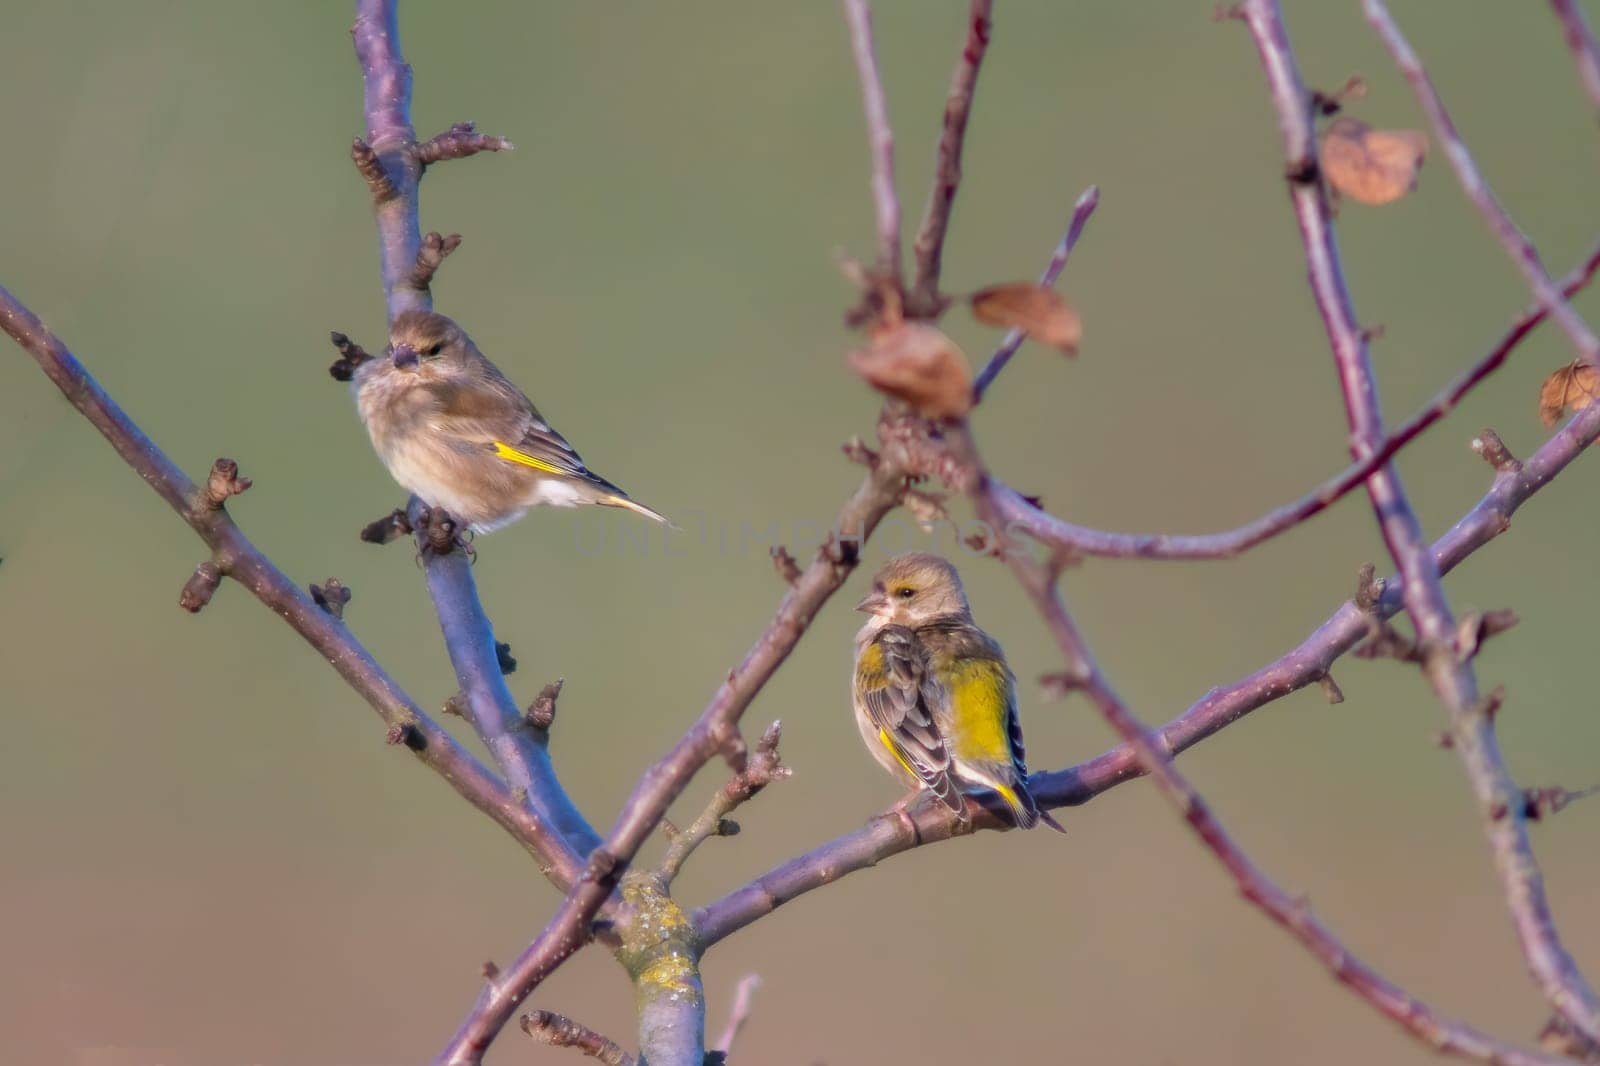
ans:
(917, 363)
(1037, 311)
(1371, 166)
(1572, 388)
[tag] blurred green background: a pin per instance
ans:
(212, 857)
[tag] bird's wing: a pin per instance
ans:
(495, 414)
(547, 451)
(903, 699)
(984, 726)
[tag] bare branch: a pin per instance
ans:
(565, 932)
(1515, 242)
(520, 752)
(1453, 679)
(1541, 803)
(557, 1030)
(1301, 666)
(1580, 40)
(459, 141)
(1084, 207)
(743, 1001)
(386, 91)
(763, 768)
(1023, 516)
(239, 559)
(924, 299)
(858, 14)
(1290, 912)
(714, 731)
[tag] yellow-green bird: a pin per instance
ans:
(934, 699)
(454, 430)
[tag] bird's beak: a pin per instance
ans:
(873, 603)
(403, 356)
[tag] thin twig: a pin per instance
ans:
(880, 138)
(763, 768)
(1082, 208)
(924, 299)
(557, 1030)
(241, 560)
(1021, 515)
(743, 1001)
(459, 141)
(1580, 40)
(1515, 242)
(565, 932)
(1453, 680)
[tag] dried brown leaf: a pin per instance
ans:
(920, 365)
(1371, 166)
(1572, 388)
(1037, 311)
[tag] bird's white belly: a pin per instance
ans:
(419, 472)
(556, 492)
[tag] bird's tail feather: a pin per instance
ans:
(1025, 810)
(619, 500)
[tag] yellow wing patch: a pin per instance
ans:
(511, 455)
(894, 749)
(869, 667)
(979, 701)
(1010, 796)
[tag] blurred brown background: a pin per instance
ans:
(210, 855)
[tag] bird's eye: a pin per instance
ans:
(905, 592)
(435, 349)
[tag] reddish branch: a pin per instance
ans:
(234, 556)
(1020, 515)
(1081, 210)
(858, 13)
(1452, 678)
(924, 300)
(1292, 913)
(557, 1030)
(1515, 242)
(1580, 40)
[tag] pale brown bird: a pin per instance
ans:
(453, 430)
(934, 699)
